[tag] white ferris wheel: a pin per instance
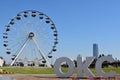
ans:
(30, 34)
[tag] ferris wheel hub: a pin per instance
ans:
(31, 35)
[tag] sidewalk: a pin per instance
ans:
(53, 77)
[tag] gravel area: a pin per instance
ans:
(3, 77)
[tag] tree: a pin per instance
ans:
(75, 62)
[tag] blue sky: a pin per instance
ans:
(80, 23)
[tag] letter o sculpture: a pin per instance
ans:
(57, 67)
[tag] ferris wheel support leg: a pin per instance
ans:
(42, 54)
(19, 52)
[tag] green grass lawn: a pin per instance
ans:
(30, 70)
(18, 70)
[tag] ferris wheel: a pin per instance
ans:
(30, 34)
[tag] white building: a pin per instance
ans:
(1, 62)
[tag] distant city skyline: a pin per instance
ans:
(80, 23)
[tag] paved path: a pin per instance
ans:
(39, 77)
(49, 77)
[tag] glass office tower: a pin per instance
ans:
(95, 50)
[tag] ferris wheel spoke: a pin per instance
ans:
(22, 27)
(41, 52)
(19, 52)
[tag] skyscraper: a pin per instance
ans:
(95, 50)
